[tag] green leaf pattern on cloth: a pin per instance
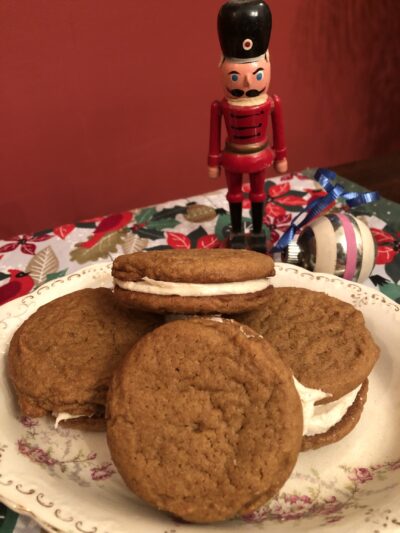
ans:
(66, 248)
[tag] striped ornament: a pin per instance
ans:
(339, 244)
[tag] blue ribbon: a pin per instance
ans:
(325, 178)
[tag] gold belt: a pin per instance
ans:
(245, 148)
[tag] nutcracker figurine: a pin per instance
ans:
(244, 28)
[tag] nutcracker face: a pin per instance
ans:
(245, 80)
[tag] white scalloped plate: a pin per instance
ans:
(66, 481)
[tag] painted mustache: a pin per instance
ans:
(237, 93)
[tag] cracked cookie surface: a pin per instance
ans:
(62, 357)
(322, 339)
(203, 419)
(194, 266)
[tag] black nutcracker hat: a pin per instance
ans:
(244, 29)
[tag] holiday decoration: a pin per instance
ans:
(244, 29)
(339, 243)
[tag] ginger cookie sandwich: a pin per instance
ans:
(330, 351)
(199, 281)
(62, 357)
(203, 419)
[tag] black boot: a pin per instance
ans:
(257, 211)
(235, 209)
(236, 237)
(257, 239)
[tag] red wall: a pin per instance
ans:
(105, 105)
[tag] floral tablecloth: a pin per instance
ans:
(29, 260)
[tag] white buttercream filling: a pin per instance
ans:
(316, 418)
(169, 288)
(64, 416)
(320, 418)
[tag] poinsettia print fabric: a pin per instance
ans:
(27, 261)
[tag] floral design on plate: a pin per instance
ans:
(41, 444)
(329, 501)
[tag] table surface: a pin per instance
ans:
(49, 254)
(380, 173)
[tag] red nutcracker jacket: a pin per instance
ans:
(246, 148)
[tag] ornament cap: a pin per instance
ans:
(291, 254)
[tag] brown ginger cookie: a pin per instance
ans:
(203, 419)
(198, 281)
(62, 357)
(326, 344)
(323, 340)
